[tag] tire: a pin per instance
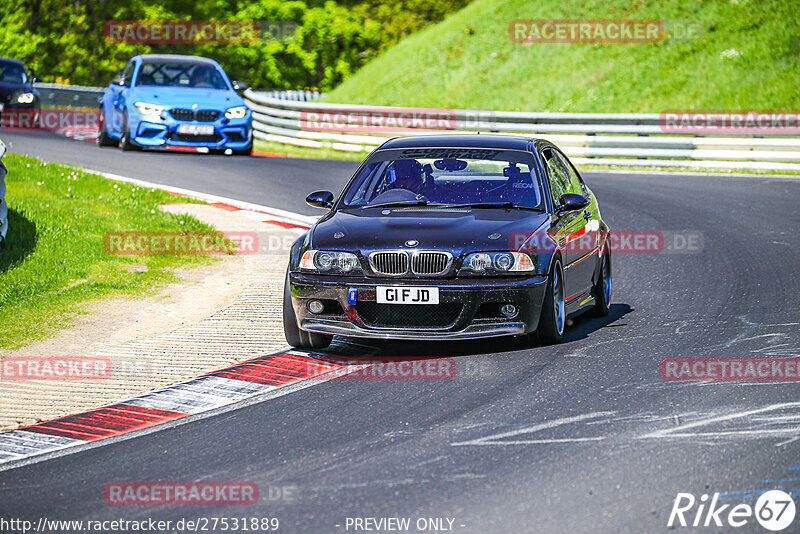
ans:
(297, 338)
(602, 290)
(103, 139)
(125, 142)
(553, 318)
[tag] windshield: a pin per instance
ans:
(181, 75)
(12, 73)
(488, 177)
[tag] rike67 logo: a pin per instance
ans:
(774, 510)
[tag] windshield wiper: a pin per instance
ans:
(402, 203)
(495, 205)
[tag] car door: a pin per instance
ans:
(586, 246)
(569, 227)
(118, 95)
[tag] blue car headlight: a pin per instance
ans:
(239, 112)
(330, 262)
(146, 108)
(497, 263)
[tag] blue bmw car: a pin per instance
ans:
(175, 101)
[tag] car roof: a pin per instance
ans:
(503, 142)
(157, 58)
(11, 60)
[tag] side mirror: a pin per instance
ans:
(320, 199)
(117, 81)
(572, 202)
(239, 86)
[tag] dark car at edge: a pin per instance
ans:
(20, 100)
(450, 237)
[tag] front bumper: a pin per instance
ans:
(468, 308)
(161, 131)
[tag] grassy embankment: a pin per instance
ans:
(53, 262)
(746, 56)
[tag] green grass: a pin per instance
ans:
(469, 61)
(53, 262)
(308, 153)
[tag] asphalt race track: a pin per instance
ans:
(228, 176)
(580, 437)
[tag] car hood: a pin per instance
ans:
(7, 88)
(185, 97)
(458, 231)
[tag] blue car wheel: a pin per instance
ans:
(125, 142)
(103, 139)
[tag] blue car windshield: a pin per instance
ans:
(508, 178)
(12, 73)
(180, 75)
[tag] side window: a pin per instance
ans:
(574, 179)
(127, 74)
(558, 176)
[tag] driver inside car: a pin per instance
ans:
(407, 175)
(201, 78)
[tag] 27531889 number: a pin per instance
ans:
(233, 524)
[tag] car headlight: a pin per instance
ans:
(26, 98)
(497, 263)
(330, 262)
(146, 108)
(236, 113)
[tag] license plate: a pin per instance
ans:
(196, 129)
(407, 295)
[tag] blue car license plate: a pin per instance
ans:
(196, 129)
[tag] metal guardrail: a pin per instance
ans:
(3, 205)
(624, 139)
(52, 94)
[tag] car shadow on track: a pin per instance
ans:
(581, 327)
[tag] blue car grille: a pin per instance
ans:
(202, 115)
(175, 136)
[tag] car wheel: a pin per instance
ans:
(125, 142)
(103, 139)
(602, 290)
(553, 318)
(297, 338)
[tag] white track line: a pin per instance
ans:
(288, 216)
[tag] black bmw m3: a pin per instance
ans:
(450, 237)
